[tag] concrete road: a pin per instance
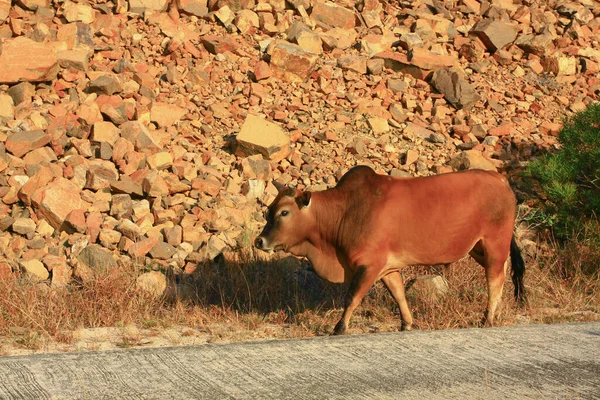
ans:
(537, 362)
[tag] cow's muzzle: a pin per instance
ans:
(263, 244)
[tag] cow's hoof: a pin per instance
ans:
(406, 327)
(340, 328)
(486, 322)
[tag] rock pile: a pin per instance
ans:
(155, 132)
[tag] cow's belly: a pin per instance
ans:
(432, 247)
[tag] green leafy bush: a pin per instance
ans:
(570, 179)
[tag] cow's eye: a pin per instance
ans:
(284, 213)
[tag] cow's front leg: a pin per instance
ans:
(360, 285)
(395, 285)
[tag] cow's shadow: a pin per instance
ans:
(254, 285)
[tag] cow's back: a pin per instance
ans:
(418, 218)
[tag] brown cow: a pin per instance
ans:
(370, 226)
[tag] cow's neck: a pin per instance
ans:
(323, 247)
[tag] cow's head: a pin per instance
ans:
(287, 221)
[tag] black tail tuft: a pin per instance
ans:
(518, 270)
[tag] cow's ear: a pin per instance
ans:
(303, 199)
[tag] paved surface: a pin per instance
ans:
(542, 361)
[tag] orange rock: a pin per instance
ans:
(262, 71)
(21, 143)
(550, 128)
(333, 15)
(143, 247)
(23, 59)
(218, 44)
(261, 136)
(166, 114)
(290, 62)
(502, 130)
(56, 200)
(40, 179)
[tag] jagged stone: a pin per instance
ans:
(34, 269)
(253, 188)
(174, 235)
(42, 155)
(210, 187)
(160, 160)
(56, 200)
(353, 63)
(218, 44)
(374, 44)
(7, 108)
(494, 34)
(121, 206)
(291, 62)
(338, 38)
(75, 221)
(6, 222)
(74, 12)
(106, 84)
(142, 247)
(455, 88)
(33, 5)
(264, 137)
(302, 35)
(77, 36)
(247, 21)
(137, 134)
(21, 92)
(540, 45)
(154, 185)
(26, 60)
(99, 177)
(560, 65)
(419, 63)
(472, 159)
(40, 179)
(166, 114)
(4, 10)
(126, 185)
(256, 167)
(105, 132)
(333, 15)
(199, 8)
(74, 59)
(97, 258)
(23, 226)
(129, 229)
(162, 251)
(61, 271)
(140, 6)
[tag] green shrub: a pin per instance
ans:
(570, 179)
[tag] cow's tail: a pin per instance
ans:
(518, 270)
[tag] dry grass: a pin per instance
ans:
(248, 298)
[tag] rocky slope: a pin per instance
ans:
(155, 132)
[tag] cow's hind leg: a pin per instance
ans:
(495, 273)
(493, 257)
(395, 285)
(361, 283)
